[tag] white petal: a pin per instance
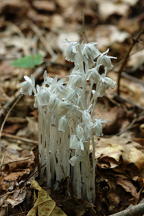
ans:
(80, 132)
(62, 124)
(74, 142)
(73, 160)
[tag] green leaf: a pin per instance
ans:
(28, 61)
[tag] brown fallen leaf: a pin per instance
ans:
(107, 35)
(44, 204)
(128, 187)
(110, 7)
(9, 182)
(12, 129)
(14, 7)
(136, 60)
(117, 147)
(17, 197)
(133, 153)
(44, 5)
(39, 19)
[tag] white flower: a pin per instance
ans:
(62, 107)
(54, 84)
(97, 127)
(86, 117)
(70, 93)
(105, 60)
(70, 51)
(47, 80)
(73, 160)
(77, 80)
(90, 51)
(28, 86)
(75, 143)
(80, 132)
(62, 124)
(93, 75)
(53, 102)
(43, 95)
(104, 83)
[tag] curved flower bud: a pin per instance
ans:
(62, 107)
(86, 117)
(47, 80)
(70, 93)
(43, 96)
(97, 127)
(80, 132)
(75, 143)
(70, 51)
(73, 160)
(104, 84)
(53, 101)
(62, 124)
(105, 60)
(93, 75)
(28, 86)
(77, 80)
(90, 51)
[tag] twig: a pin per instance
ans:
(132, 78)
(19, 138)
(11, 108)
(120, 99)
(43, 41)
(125, 61)
(6, 107)
(83, 29)
(11, 104)
(131, 211)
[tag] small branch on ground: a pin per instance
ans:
(8, 107)
(134, 41)
(131, 211)
(19, 138)
(9, 111)
(18, 95)
(120, 99)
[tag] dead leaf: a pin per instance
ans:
(130, 2)
(15, 176)
(110, 147)
(108, 8)
(14, 7)
(44, 5)
(57, 21)
(40, 19)
(136, 60)
(128, 187)
(12, 129)
(17, 197)
(120, 146)
(133, 153)
(44, 204)
(63, 37)
(106, 35)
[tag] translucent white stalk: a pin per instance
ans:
(67, 127)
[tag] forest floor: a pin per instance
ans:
(38, 26)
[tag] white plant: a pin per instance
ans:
(67, 127)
